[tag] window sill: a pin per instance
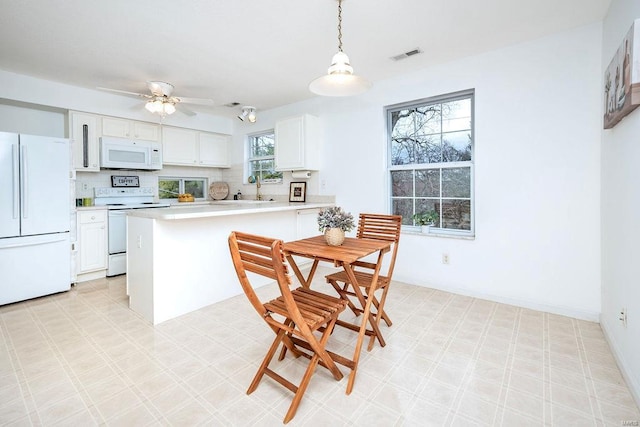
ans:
(437, 234)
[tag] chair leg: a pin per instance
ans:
(318, 355)
(265, 362)
(343, 295)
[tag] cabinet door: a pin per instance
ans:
(179, 146)
(146, 131)
(92, 239)
(214, 150)
(84, 135)
(112, 126)
(289, 144)
(297, 145)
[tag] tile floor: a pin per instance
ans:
(83, 358)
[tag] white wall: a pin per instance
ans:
(620, 207)
(24, 118)
(537, 165)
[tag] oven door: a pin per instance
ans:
(117, 231)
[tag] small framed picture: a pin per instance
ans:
(297, 191)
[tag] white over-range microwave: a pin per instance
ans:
(121, 153)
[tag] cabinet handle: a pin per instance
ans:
(85, 146)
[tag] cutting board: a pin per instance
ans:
(218, 190)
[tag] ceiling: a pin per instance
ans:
(262, 53)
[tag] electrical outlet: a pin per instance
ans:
(623, 316)
(85, 186)
(445, 258)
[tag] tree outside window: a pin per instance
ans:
(261, 159)
(431, 160)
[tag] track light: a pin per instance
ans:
(248, 113)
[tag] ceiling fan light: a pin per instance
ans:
(150, 107)
(252, 116)
(169, 108)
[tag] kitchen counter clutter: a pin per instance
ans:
(178, 257)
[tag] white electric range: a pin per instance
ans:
(118, 201)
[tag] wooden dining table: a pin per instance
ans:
(351, 250)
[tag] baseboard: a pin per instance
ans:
(554, 309)
(634, 386)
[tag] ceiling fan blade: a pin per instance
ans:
(185, 110)
(198, 101)
(124, 92)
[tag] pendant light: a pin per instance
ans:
(340, 80)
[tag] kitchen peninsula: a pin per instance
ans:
(178, 258)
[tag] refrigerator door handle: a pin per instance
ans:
(25, 184)
(15, 185)
(63, 237)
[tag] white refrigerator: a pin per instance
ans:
(35, 253)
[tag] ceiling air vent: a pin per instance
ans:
(406, 54)
(232, 104)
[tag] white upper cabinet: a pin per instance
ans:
(214, 150)
(131, 129)
(297, 145)
(190, 147)
(179, 146)
(84, 130)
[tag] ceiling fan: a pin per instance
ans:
(160, 100)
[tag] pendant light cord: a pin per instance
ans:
(339, 25)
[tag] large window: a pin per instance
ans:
(431, 161)
(169, 187)
(261, 159)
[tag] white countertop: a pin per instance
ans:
(220, 208)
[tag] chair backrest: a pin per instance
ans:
(260, 255)
(381, 227)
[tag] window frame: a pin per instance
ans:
(181, 186)
(249, 159)
(438, 99)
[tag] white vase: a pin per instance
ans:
(425, 229)
(334, 236)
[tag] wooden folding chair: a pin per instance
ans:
(293, 317)
(370, 226)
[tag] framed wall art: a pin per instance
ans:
(622, 79)
(297, 191)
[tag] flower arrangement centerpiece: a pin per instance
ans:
(333, 222)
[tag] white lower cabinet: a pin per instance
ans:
(92, 242)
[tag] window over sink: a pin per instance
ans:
(261, 157)
(170, 187)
